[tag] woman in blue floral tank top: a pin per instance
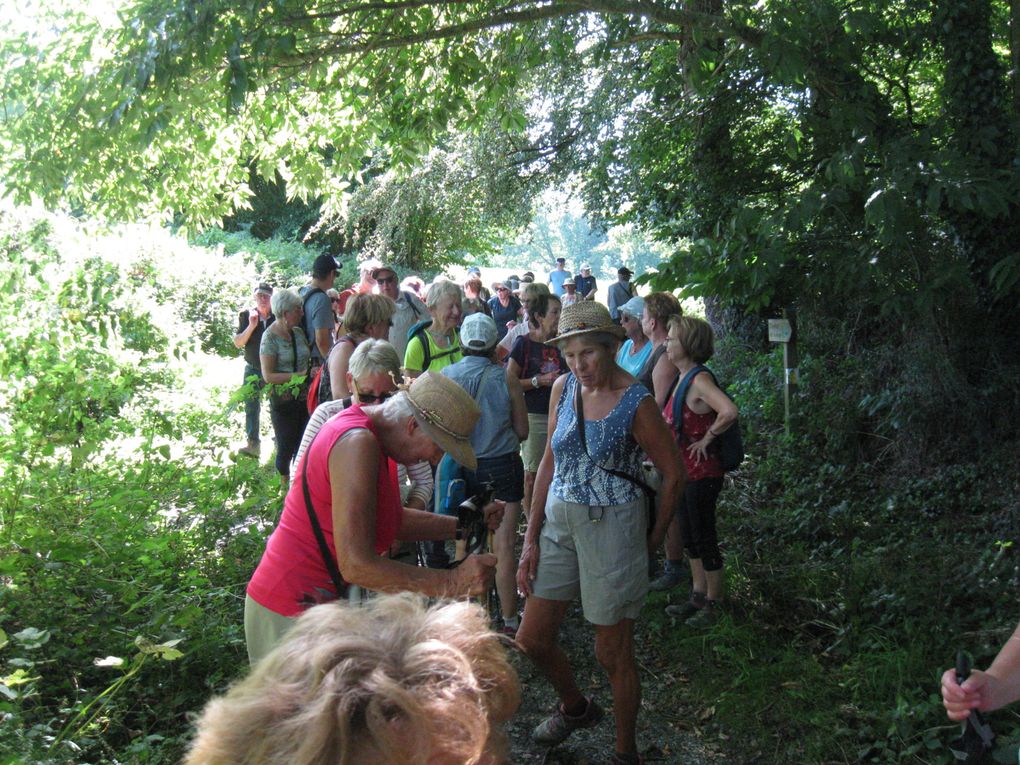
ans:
(588, 532)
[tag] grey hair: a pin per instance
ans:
(399, 407)
(441, 290)
(374, 356)
(284, 300)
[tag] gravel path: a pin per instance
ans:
(667, 729)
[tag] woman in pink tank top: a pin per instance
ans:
(350, 474)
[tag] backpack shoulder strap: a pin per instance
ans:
(410, 298)
(426, 349)
(680, 388)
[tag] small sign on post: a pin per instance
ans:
(780, 331)
(785, 331)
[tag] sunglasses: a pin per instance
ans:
(334, 300)
(371, 398)
(387, 280)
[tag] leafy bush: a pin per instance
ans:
(859, 557)
(127, 532)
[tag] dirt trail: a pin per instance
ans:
(666, 732)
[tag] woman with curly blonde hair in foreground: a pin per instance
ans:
(389, 682)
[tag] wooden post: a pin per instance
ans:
(785, 331)
(790, 362)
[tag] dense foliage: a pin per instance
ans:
(793, 149)
(127, 530)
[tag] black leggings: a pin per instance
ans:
(289, 419)
(697, 522)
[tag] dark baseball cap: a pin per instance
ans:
(324, 264)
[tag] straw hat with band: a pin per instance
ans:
(447, 415)
(586, 317)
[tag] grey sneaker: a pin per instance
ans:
(560, 725)
(705, 617)
(685, 611)
(669, 579)
(252, 449)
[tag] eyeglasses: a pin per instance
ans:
(334, 300)
(371, 398)
(387, 280)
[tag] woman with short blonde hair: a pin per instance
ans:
(367, 316)
(437, 345)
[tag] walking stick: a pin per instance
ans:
(976, 737)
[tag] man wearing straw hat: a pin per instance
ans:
(588, 530)
(335, 529)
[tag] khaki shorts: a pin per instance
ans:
(263, 629)
(599, 553)
(534, 445)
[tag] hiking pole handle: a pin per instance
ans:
(976, 721)
(963, 666)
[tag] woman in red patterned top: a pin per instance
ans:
(706, 412)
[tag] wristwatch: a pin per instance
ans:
(534, 381)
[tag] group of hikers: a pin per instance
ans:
(604, 428)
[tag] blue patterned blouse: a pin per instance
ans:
(579, 479)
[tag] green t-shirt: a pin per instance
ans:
(414, 356)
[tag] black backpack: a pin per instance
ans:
(731, 444)
(309, 335)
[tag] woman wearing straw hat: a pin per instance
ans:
(337, 522)
(588, 528)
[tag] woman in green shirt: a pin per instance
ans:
(437, 345)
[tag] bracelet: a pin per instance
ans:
(458, 535)
(712, 433)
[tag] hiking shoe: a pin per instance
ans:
(685, 611)
(252, 449)
(560, 725)
(706, 616)
(669, 579)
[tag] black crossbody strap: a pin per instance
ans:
(579, 410)
(320, 537)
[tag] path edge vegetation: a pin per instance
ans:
(856, 566)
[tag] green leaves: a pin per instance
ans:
(31, 638)
(166, 651)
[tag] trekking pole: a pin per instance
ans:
(976, 736)
(490, 601)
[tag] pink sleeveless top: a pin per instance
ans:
(292, 575)
(695, 427)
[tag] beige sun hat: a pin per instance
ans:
(448, 415)
(586, 317)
